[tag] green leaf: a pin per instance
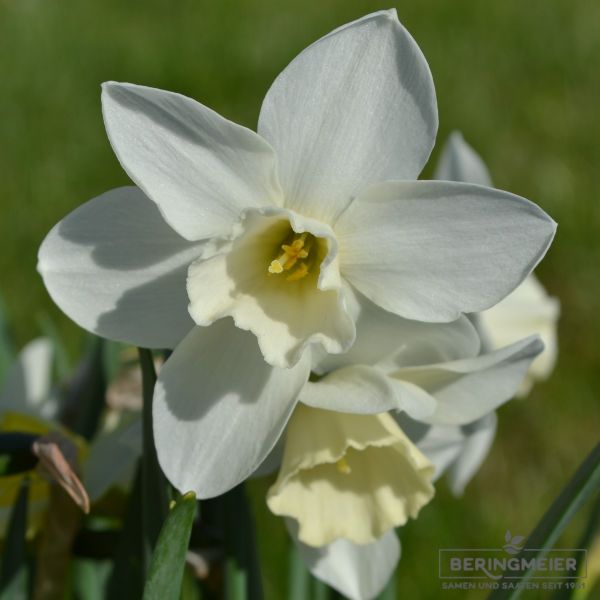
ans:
(230, 515)
(147, 508)
(155, 500)
(578, 490)
(7, 350)
(168, 560)
(320, 590)
(13, 575)
(585, 541)
(299, 577)
(85, 396)
(189, 586)
(129, 568)
(236, 580)
(89, 578)
(242, 567)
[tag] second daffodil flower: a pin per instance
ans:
(274, 229)
(525, 311)
(348, 476)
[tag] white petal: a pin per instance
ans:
(285, 316)
(26, 387)
(440, 444)
(479, 437)
(359, 572)
(356, 107)
(390, 341)
(366, 390)
(466, 390)
(112, 458)
(459, 162)
(526, 311)
(199, 168)
(219, 408)
(429, 250)
(117, 269)
(458, 450)
(272, 462)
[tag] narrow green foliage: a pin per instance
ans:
(13, 574)
(320, 591)
(582, 486)
(86, 392)
(236, 580)
(229, 516)
(189, 587)
(147, 508)
(7, 351)
(243, 580)
(168, 560)
(89, 578)
(129, 568)
(299, 577)
(585, 542)
(155, 501)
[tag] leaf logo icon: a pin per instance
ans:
(513, 544)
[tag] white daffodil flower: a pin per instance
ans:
(278, 229)
(361, 571)
(433, 372)
(528, 309)
(345, 482)
(323, 194)
(348, 476)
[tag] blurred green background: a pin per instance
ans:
(520, 79)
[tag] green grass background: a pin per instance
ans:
(520, 79)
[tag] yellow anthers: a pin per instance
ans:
(299, 273)
(275, 267)
(343, 467)
(298, 249)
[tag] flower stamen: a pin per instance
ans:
(298, 249)
(343, 467)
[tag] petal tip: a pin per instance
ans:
(392, 14)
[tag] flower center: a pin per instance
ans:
(295, 258)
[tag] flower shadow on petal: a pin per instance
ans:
(215, 366)
(163, 300)
(125, 231)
